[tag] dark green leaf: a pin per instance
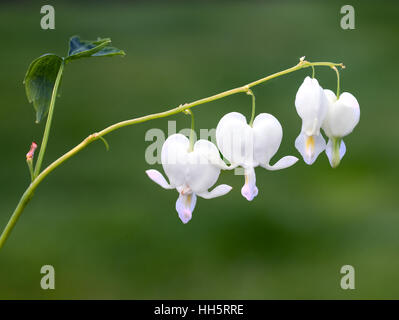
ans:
(84, 49)
(39, 82)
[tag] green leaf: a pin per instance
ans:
(39, 82)
(85, 49)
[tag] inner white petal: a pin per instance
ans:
(329, 151)
(185, 205)
(310, 146)
(249, 191)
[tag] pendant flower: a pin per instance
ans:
(342, 117)
(191, 173)
(251, 146)
(311, 105)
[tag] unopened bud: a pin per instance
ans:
(31, 153)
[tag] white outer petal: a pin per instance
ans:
(283, 163)
(219, 191)
(332, 98)
(234, 138)
(158, 178)
(311, 105)
(174, 158)
(310, 154)
(268, 134)
(201, 173)
(210, 152)
(343, 115)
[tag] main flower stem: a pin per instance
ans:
(48, 122)
(28, 194)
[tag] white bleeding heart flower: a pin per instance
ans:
(311, 105)
(251, 146)
(342, 117)
(191, 173)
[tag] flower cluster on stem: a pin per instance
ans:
(192, 171)
(198, 165)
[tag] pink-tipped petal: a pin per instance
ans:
(185, 205)
(249, 191)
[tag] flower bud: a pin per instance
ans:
(31, 153)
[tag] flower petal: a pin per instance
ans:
(174, 158)
(249, 191)
(211, 153)
(219, 191)
(329, 152)
(311, 104)
(332, 98)
(185, 205)
(268, 134)
(201, 174)
(310, 146)
(158, 178)
(342, 116)
(234, 138)
(283, 163)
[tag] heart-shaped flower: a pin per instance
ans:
(342, 117)
(251, 146)
(191, 173)
(311, 105)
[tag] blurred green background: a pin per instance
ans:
(110, 232)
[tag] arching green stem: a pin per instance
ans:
(28, 194)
